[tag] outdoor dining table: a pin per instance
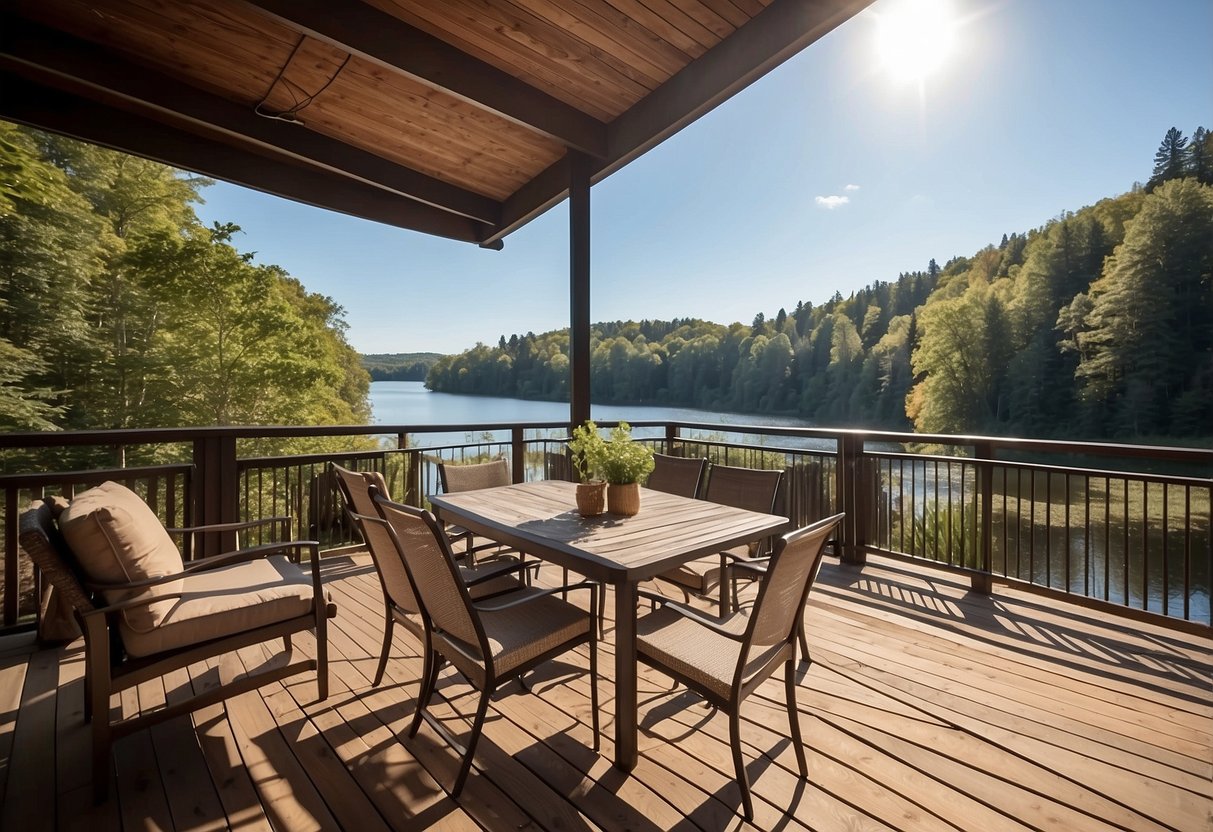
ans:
(541, 519)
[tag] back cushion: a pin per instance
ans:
(117, 538)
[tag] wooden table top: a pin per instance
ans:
(541, 518)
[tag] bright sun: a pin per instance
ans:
(915, 37)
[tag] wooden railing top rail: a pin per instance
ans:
(140, 436)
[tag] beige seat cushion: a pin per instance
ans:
(224, 601)
(117, 538)
(696, 652)
(519, 634)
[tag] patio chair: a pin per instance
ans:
(752, 489)
(677, 475)
(145, 613)
(470, 477)
(358, 489)
(491, 640)
(725, 660)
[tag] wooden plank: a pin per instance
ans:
(192, 797)
(393, 44)
(30, 787)
(228, 772)
(290, 799)
(12, 683)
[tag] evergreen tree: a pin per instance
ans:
(1200, 156)
(1171, 160)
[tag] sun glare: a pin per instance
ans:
(915, 37)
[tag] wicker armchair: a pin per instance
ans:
(752, 489)
(145, 613)
(726, 660)
(489, 641)
(359, 488)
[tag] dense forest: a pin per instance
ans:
(400, 366)
(1098, 324)
(120, 309)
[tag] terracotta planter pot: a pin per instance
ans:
(623, 499)
(591, 498)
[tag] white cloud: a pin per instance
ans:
(851, 188)
(832, 202)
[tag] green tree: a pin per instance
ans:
(1171, 159)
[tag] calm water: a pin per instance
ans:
(409, 403)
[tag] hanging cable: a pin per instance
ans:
(299, 102)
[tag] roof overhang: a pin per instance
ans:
(456, 118)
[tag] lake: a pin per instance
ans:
(409, 403)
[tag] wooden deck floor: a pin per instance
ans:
(926, 708)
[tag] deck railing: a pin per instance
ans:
(1117, 525)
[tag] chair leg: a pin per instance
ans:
(429, 673)
(789, 684)
(389, 624)
(594, 689)
(477, 727)
(322, 651)
(805, 656)
(743, 782)
(286, 642)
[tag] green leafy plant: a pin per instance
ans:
(625, 461)
(588, 450)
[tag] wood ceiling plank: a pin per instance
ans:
(600, 24)
(382, 38)
(369, 85)
(515, 50)
(750, 8)
(50, 56)
(721, 24)
(670, 24)
(49, 109)
(699, 22)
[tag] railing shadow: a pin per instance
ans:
(1026, 626)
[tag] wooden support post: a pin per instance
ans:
(579, 287)
(671, 437)
(983, 582)
(216, 491)
(518, 454)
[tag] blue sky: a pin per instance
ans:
(1041, 107)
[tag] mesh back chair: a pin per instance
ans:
(489, 641)
(471, 477)
(157, 620)
(752, 489)
(677, 475)
(359, 488)
(725, 660)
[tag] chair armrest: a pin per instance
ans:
(693, 614)
(214, 562)
(482, 607)
(489, 573)
(756, 566)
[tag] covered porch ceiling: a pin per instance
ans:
(459, 118)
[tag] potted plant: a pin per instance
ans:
(587, 448)
(624, 465)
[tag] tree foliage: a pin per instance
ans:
(1097, 324)
(119, 309)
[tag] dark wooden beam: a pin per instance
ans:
(43, 107)
(579, 287)
(781, 30)
(362, 30)
(48, 56)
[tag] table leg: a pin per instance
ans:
(625, 676)
(725, 584)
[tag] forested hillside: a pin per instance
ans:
(400, 366)
(119, 309)
(1098, 324)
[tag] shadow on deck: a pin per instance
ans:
(926, 707)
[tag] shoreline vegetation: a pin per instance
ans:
(1097, 325)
